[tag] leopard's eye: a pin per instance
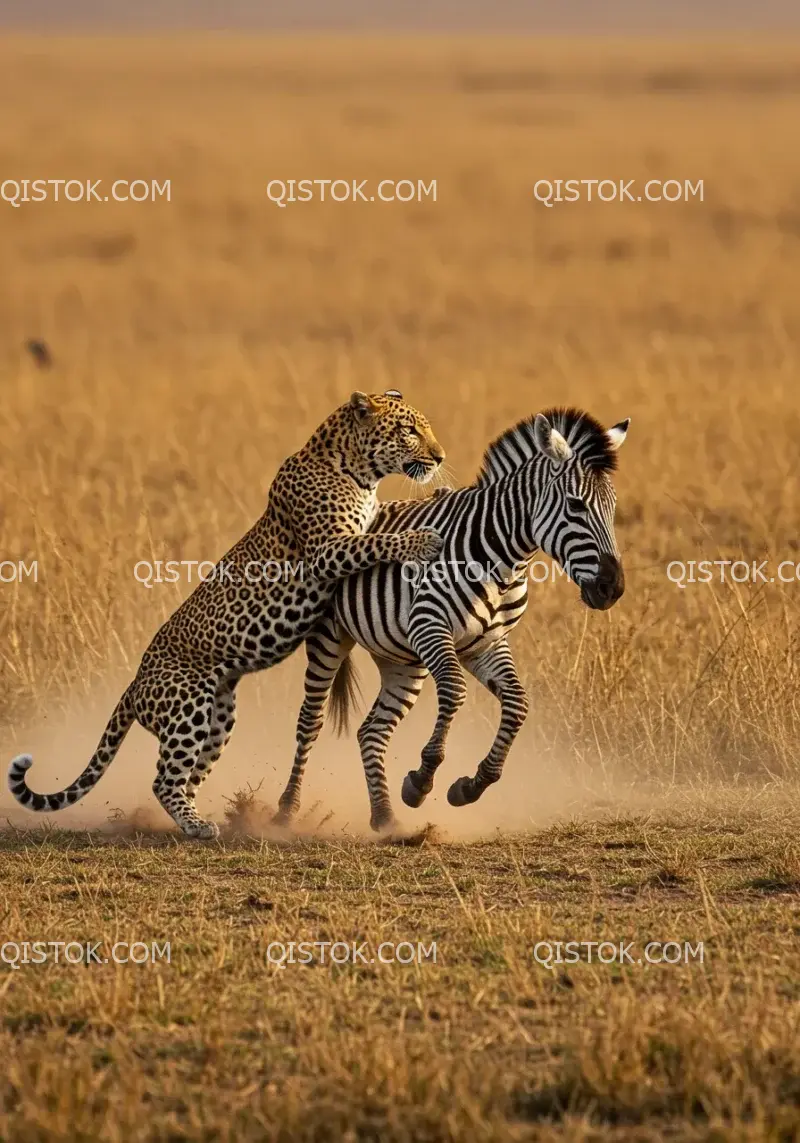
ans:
(413, 433)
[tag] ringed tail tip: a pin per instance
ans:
(20, 764)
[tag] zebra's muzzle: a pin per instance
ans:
(606, 588)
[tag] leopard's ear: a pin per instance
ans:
(393, 393)
(363, 406)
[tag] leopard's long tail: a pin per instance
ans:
(118, 726)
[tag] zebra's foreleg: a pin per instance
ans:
(496, 670)
(401, 684)
(432, 641)
(326, 648)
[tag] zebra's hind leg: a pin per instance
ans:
(400, 687)
(326, 648)
(432, 641)
(496, 670)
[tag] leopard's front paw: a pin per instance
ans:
(430, 544)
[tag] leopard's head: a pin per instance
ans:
(392, 436)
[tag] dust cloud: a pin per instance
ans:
(536, 789)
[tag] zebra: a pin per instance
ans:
(544, 484)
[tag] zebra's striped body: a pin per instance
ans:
(545, 484)
(375, 611)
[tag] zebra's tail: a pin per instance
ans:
(345, 694)
(118, 726)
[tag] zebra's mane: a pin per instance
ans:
(585, 436)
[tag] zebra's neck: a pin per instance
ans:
(503, 524)
(487, 517)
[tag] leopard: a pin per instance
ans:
(262, 600)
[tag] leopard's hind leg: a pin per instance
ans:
(223, 720)
(182, 718)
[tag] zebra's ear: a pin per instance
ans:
(549, 441)
(616, 435)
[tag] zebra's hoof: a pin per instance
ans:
(284, 817)
(411, 793)
(462, 792)
(384, 823)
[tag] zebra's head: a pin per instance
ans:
(574, 511)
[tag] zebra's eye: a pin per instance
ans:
(575, 504)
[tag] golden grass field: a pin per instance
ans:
(653, 793)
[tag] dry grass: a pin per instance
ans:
(482, 1043)
(194, 345)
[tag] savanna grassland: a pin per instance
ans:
(653, 794)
